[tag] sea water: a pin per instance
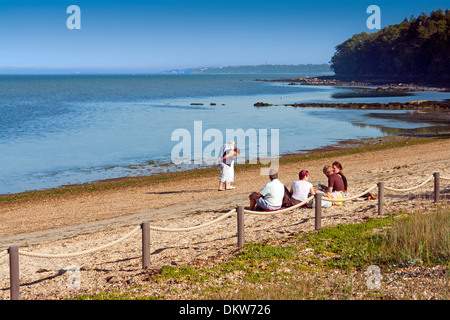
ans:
(67, 129)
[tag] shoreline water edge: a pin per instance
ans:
(350, 146)
(435, 114)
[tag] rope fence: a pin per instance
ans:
(80, 253)
(410, 189)
(358, 196)
(14, 251)
(226, 215)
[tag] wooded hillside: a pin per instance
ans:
(419, 47)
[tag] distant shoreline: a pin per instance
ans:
(436, 113)
(420, 105)
(400, 84)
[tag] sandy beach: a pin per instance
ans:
(71, 223)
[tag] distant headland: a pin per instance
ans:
(414, 51)
(298, 69)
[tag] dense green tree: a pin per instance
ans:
(419, 47)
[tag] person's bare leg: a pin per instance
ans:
(252, 203)
(230, 187)
(253, 196)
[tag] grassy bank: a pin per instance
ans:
(348, 148)
(410, 251)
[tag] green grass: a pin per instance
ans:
(116, 295)
(350, 245)
(261, 261)
(418, 238)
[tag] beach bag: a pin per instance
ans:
(324, 204)
(335, 196)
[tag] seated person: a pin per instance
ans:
(335, 182)
(334, 190)
(337, 168)
(271, 195)
(302, 189)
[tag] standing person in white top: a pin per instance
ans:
(226, 172)
(302, 189)
(271, 195)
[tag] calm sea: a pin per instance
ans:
(67, 129)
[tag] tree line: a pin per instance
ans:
(418, 47)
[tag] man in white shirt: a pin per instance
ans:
(271, 195)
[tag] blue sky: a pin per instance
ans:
(151, 36)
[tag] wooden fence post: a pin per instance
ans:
(436, 187)
(380, 198)
(145, 245)
(318, 211)
(14, 277)
(240, 226)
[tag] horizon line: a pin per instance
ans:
(33, 69)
